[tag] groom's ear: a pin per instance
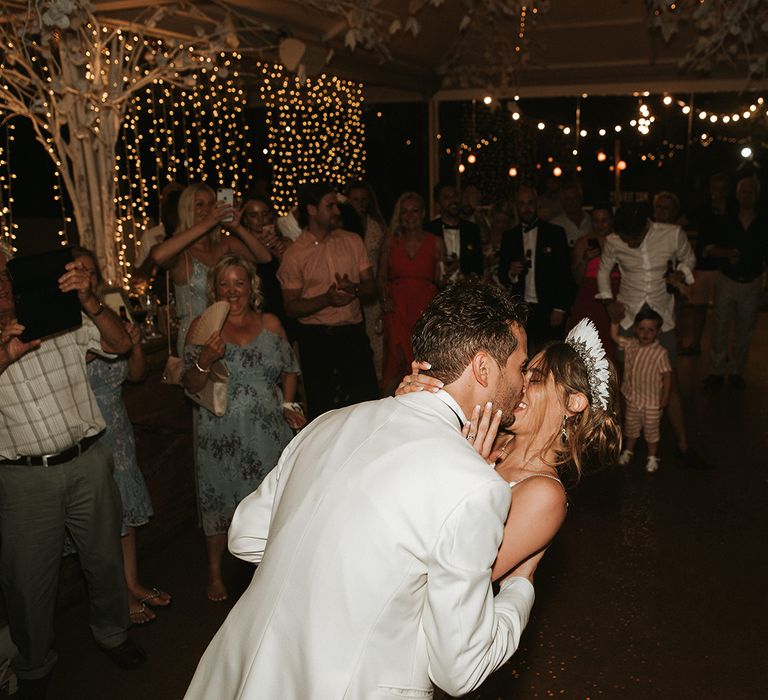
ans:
(481, 368)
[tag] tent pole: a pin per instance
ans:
(433, 152)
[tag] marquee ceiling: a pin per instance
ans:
(568, 47)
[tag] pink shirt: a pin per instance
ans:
(310, 266)
(643, 367)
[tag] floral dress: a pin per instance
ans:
(106, 378)
(237, 450)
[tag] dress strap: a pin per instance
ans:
(512, 484)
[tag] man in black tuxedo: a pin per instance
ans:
(464, 251)
(535, 264)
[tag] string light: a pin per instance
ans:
(315, 131)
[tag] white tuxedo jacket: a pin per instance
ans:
(376, 533)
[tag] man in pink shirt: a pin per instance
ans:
(325, 275)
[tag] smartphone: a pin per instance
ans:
(226, 195)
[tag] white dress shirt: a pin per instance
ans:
(529, 249)
(643, 269)
(572, 231)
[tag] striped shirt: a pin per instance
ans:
(643, 367)
(46, 403)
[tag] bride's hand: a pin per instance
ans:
(480, 430)
(418, 382)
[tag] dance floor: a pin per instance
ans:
(655, 588)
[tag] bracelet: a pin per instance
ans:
(200, 369)
(293, 406)
(96, 313)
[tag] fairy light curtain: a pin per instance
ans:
(315, 131)
(172, 134)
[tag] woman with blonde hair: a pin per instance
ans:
(198, 244)
(237, 450)
(106, 378)
(410, 270)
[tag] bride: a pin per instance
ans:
(565, 423)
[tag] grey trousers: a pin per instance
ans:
(739, 301)
(36, 505)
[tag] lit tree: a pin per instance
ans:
(73, 76)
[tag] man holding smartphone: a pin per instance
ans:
(55, 474)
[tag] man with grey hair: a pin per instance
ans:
(574, 220)
(55, 474)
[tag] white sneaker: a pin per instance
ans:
(652, 465)
(625, 457)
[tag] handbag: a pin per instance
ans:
(213, 395)
(173, 370)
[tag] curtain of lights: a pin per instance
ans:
(180, 135)
(168, 134)
(315, 131)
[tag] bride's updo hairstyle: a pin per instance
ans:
(593, 437)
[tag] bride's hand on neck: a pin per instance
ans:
(481, 430)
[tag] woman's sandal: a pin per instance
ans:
(157, 599)
(141, 616)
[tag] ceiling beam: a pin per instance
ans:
(571, 89)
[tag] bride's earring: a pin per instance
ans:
(563, 429)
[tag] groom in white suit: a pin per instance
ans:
(376, 533)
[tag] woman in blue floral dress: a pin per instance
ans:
(106, 378)
(237, 450)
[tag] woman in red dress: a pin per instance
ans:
(410, 269)
(585, 261)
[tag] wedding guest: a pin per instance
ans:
(106, 377)
(645, 386)
(667, 208)
(648, 255)
(463, 243)
(501, 217)
(362, 197)
(56, 476)
(259, 219)
(710, 223)
(235, 451)
(743, 254)
(585, 262)
(326, 276)
(574, 220)
(197, 246)
(411, 269)
(535, 264)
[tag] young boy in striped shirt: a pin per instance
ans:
(646, 384)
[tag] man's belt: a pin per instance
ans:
(51, 460)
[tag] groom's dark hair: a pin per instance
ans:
(463, 319)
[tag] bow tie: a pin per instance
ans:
(528, 227)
